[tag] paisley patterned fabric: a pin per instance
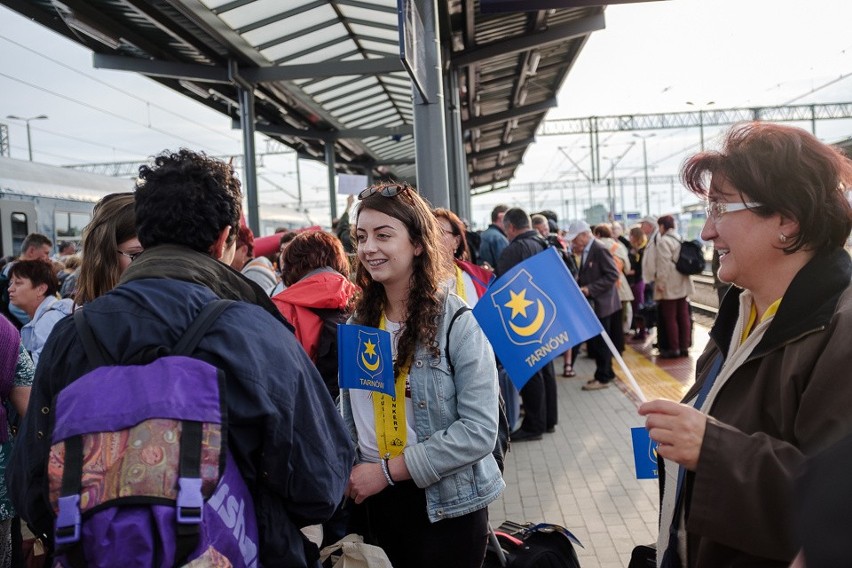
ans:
(138, 462)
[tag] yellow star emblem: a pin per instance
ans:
(518, 303)
(370, 348)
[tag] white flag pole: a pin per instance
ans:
(632, 381)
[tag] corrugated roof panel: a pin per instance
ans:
(362, 85)
(307, 41)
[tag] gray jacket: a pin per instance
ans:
(455, 417)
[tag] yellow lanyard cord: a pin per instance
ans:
(460, 284)
(752, 318)
(390, 413)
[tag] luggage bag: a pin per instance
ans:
(529, 545)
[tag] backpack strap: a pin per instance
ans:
(453, 319)
(189, 498)
(95, 352)
(195, 333)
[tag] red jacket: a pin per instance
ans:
(481, 276)
(324, 290)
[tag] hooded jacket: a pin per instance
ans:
(284, 432)
(787, 401)
(319, 290)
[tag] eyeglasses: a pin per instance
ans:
(716, 209)
(385, 190)
(131, 255)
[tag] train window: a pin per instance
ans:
(20, 230)
(69, 226)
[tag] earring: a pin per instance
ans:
(782, 237)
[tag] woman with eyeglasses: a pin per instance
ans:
(109, 246)
(470, 280)
(772, 386)
(425, 473)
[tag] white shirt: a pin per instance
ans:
(365, 417)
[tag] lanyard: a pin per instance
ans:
(460, 284)
(670, 557)
(389, 413)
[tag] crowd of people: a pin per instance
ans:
(414, 472)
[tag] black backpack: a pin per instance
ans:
(501, 448)
(327, 363)
(691, 258)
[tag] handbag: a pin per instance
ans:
(352, 552)
(644, 556)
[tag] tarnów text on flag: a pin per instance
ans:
(533, 313)
(365, 359)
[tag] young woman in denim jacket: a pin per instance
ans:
(425, 474)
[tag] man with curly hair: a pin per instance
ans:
(285, 434)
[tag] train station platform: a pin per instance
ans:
(582, 476)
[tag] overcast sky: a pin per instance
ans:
(652, 57)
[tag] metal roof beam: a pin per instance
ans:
(514, 146)
(556, 34)
(210, 74)
(378, 131)
(349, 133)
(324, 70)
(517, 112)
(159, 68)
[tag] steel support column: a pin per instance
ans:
(249, 165)
(430, 138)
(332, 179)
(459, 182)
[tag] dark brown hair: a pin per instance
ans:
(311, 250)
(458, 231)
(38, 272)
(667, 222)
(431, 269)
(789, 172)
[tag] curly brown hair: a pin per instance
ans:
(431, 269)
(311, 250)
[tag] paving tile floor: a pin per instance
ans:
(582, 476)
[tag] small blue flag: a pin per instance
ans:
(644, 454)
(534, 313)
(365, 359)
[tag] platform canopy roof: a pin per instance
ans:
(329, 70)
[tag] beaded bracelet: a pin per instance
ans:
(386, 471)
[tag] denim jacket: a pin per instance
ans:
(455, 417)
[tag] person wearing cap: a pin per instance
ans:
(539, 393)
(597, 279)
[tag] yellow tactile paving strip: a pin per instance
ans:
(654, 381)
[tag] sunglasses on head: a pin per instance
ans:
(385, 190)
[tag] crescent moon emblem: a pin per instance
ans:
(532, 328)
(370, 367)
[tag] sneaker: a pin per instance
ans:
(594, 385)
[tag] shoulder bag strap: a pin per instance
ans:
(95, 352)
(195, 332)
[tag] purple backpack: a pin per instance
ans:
(139, 470)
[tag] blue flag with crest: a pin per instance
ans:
(365, 359)
(534, 313)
